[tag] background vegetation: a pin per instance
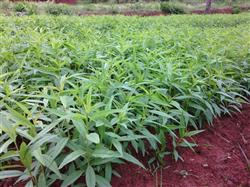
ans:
(110, 7)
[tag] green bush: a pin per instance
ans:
(20, 7)
(58, 9)
(25, 7)
(236, 10)
(172, 8)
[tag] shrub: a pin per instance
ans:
(58, 9)
(20, 7)
(114, 9)
(236, 10)
(172, 8)
(25, 7)
(136, 6)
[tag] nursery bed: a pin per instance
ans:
(218, 160)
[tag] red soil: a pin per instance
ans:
(56, 1)
(218, 160)
(66, 1)
(227, 10)
(127, 13)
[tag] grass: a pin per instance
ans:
(78, 95)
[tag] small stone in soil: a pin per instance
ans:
(205, 165)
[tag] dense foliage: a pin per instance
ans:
(172, 8)
(78, 94)
(24, 7)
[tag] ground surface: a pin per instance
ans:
(218, 160)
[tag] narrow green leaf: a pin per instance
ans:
(47, 161)
(25, 155)
(71, 157)
(102, 182)
(79, 124)
(29, 184)
(132, 159)
(105, 153)
(5, 145)
(10, 173)
(19, 117)
(41, 180)
(90, 177)
(9, 154)
(70, 179)
(56, 150)
(118, 146)
(108, 171)
(192, 133)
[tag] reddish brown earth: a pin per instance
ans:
(227, 10)
(127, 13)
(218, 160)
(56, 1)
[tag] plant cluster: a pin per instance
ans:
(79, 95)
(25, 7)
(172, 8)
(236, 9)
(58, 9)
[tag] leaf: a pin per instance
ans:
(192, 133)
(70, 179)
(93, 137)
(47, 161)
(9, 174)
(41, 180)
(90, 177)
(56, 150)
(25, 155)
(163, 114)
(102, 182)
(105, 153)
(71, 157)
(132, 159)
(79, 124)
(131, 137)
(24, 134)
(67, 101)
(118, 146)
(19, 117)
(185, 143)
(29, 184)
(45, 139)
(115, 173)
(24, 108)
(5, 145)
(9, 154)
(108, 171)
(45, 131)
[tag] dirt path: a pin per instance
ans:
(219, 160)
